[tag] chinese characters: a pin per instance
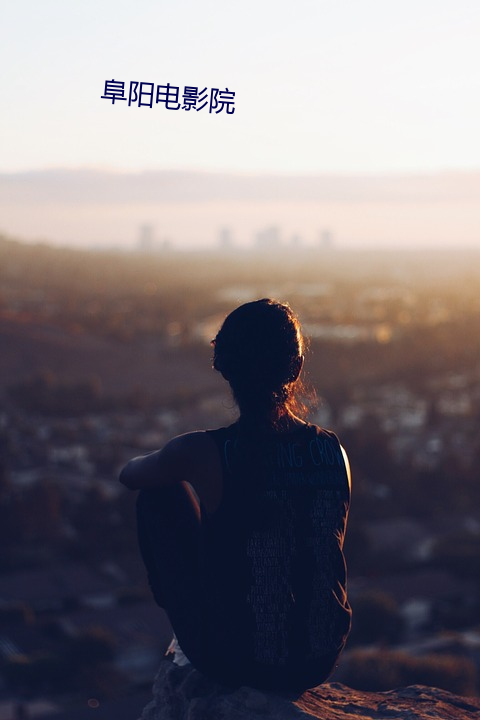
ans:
(146, 94)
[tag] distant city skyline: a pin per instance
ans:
(181, 210)
(364, 111)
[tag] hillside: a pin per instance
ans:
(105, 356)
(30, 346)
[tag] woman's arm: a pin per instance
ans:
(157, 469)
(191, 458)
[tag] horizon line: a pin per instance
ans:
(242, 173)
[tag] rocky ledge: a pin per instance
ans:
(182, 693)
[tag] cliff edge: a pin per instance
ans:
(182, 693)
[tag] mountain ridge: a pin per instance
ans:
(103, 186)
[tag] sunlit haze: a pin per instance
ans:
(321, 88)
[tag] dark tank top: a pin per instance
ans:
(273, 564)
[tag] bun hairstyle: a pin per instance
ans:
(259, 351)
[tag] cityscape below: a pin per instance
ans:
(107, 355)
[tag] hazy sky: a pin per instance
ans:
(360, 86)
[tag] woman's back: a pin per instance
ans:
(274, 572)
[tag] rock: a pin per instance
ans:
(182, 693)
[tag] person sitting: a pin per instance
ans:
(241, 528)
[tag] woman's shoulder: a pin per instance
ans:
(189, 446)
(325, 432)
(198, 439)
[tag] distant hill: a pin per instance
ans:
(29, 348)
(80, 315)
